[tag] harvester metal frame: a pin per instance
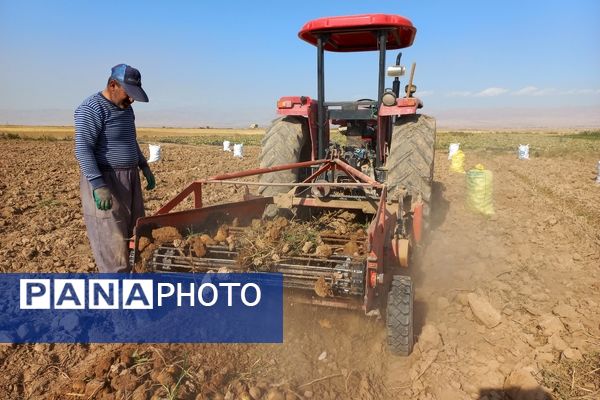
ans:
(387, 248)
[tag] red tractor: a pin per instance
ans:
(383, 175)
(397, 143)
(387, 140)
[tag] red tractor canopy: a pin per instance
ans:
(358, 32)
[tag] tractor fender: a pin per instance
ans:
(295, 105)
(403, 106)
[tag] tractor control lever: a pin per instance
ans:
(410, 89)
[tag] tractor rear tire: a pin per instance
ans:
(285, 142)
(411, 157)
(399, 316)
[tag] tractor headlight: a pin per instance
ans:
(388, 98)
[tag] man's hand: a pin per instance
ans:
(103, 198)
(149, 178)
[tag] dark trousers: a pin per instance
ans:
(109, 231)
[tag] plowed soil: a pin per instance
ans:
(535, 262)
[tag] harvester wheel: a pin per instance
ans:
(286, 141)
(399, 317)
(411, 157)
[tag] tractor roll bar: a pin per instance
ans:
(322, 39)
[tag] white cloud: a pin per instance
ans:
(424, 93)
(526, 91)
(534, 91)
(459, 94)
(489, 92)
(546, 92)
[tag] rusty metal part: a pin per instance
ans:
(288, 201)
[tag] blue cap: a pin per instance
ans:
(131, 80)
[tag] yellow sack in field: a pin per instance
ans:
(458, 162)
(479, 190)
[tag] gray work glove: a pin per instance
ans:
(103, 198)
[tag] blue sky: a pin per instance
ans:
(226, 63)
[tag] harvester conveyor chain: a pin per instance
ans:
(344, 274)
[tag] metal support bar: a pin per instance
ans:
(321, 96)
(194, 187)
(382, 47)
(356, 173)
(320, 171)
(380, 130)
(307, 184)
(259, 171)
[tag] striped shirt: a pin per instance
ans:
(105, 138)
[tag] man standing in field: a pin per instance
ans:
(109, 157)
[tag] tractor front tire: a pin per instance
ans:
(399, 316)
(410, 160)
(285, 142)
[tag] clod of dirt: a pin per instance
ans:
(78, 386)
(521, 385)
(429, 339)
(275, 394)
(255, 392)
(103, 366)
(280, 222)
(351, 249)
(245, 396)
(222, 234)
(145, 257)
(347, 216)
(165, 234)
(256, 223)
(143, 242)
(125, 358)
(273, 233)
(323, 251)
(340, 226)
(142, 392)
(207, 240)
(230, 242)
(549, 324)
(557, 342)
(93, 386)
(198, 246)
(306, 248)
(572, 354)
(166, 377)
(483, 310)
(322, 288)
(125, 382)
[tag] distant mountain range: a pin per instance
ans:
(587, 117)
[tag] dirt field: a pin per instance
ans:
(536, 261)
